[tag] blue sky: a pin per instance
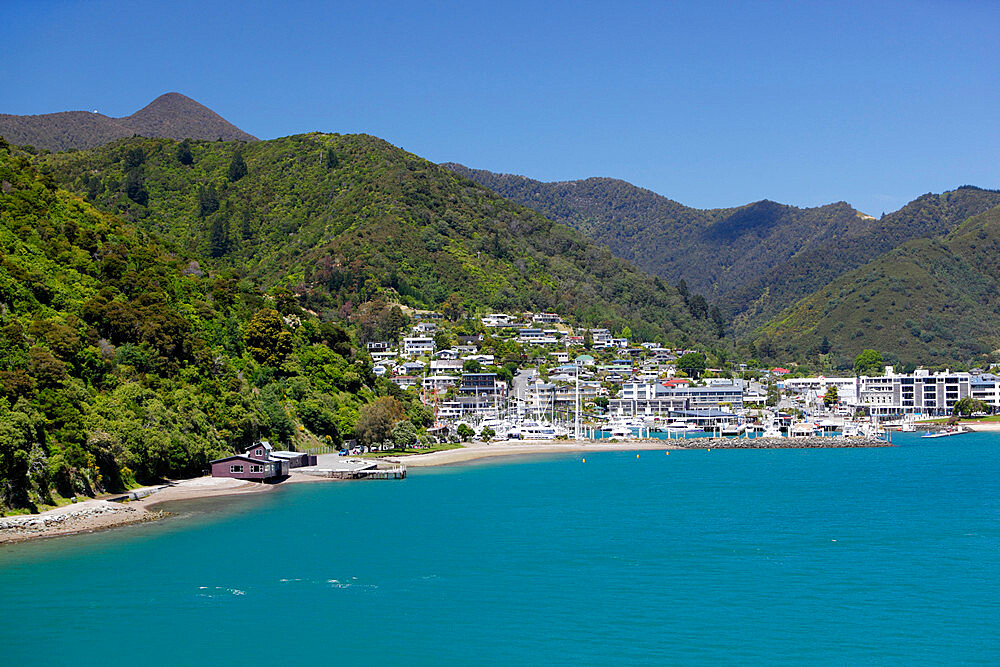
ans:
(709, 103)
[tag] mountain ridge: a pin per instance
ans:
(171, 115)
(753, 261)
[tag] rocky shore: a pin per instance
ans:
(778, 443)
(80, 518)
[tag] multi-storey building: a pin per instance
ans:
(649, 398)
(921, 392)
(414, 346)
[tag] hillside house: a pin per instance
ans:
(415, 346)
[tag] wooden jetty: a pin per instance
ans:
(397, 471)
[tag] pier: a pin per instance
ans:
(333, 468)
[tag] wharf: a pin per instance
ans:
(353, 469)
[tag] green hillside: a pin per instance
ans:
(753, 261)
(928, 216)
(342, 220)
(124, 362)
(929, 301)
(714, 250)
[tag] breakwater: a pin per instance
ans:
(812, 442)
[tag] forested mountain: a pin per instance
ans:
(928, 301)
(345, 219)
(928, 216)
(714, 250)
(123, 361)
(170, 115)
(753, 261)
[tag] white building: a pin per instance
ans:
(986, 387)
(497, 320)
(439, 382)
(921, 392)
(415, 346)
(814, 389)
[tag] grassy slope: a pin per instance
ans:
(382, 221)
(928, 301)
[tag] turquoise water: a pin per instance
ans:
(732, 556)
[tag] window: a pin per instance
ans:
(235, 468)
(259, 452)
(256, 468)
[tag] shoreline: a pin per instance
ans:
(94, 515)
(520, 447)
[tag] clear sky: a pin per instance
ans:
(709, 103)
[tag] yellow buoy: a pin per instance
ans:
(585, 460)
(709, 449)
(636, 456)
(667, 453)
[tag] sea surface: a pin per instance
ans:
(853, 556)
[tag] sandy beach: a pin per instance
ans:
(520, 448)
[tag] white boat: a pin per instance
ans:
(802, 430)
(680, 426)
(619, 430)
(732, 428)
(772, 430)
(956, 430)
(532, 430)
(851, 430)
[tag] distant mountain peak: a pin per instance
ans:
(171, 115)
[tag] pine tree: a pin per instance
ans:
(184, 155)
(682, 289)
(237, 168)
(208, 202)
(135, 189)
(218, 237)
(332, 161)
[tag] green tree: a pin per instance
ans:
(693, 364)
(133, 159)
(376, 420)
(969, 406)
(588, 339)
(452, 307)
(135, 188)
(869, 362)
(773, 395)
(218, 237)
(208, 201)
(831, 397)
(266, 338)
(184, 155)
(404, 434)
(465, 432)
(472, 366)
(237, 168)
(824, 347)
(718, 320)
(698, 307)
(442, 340)
(332, 161)
(487, 434)
(682, 289)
